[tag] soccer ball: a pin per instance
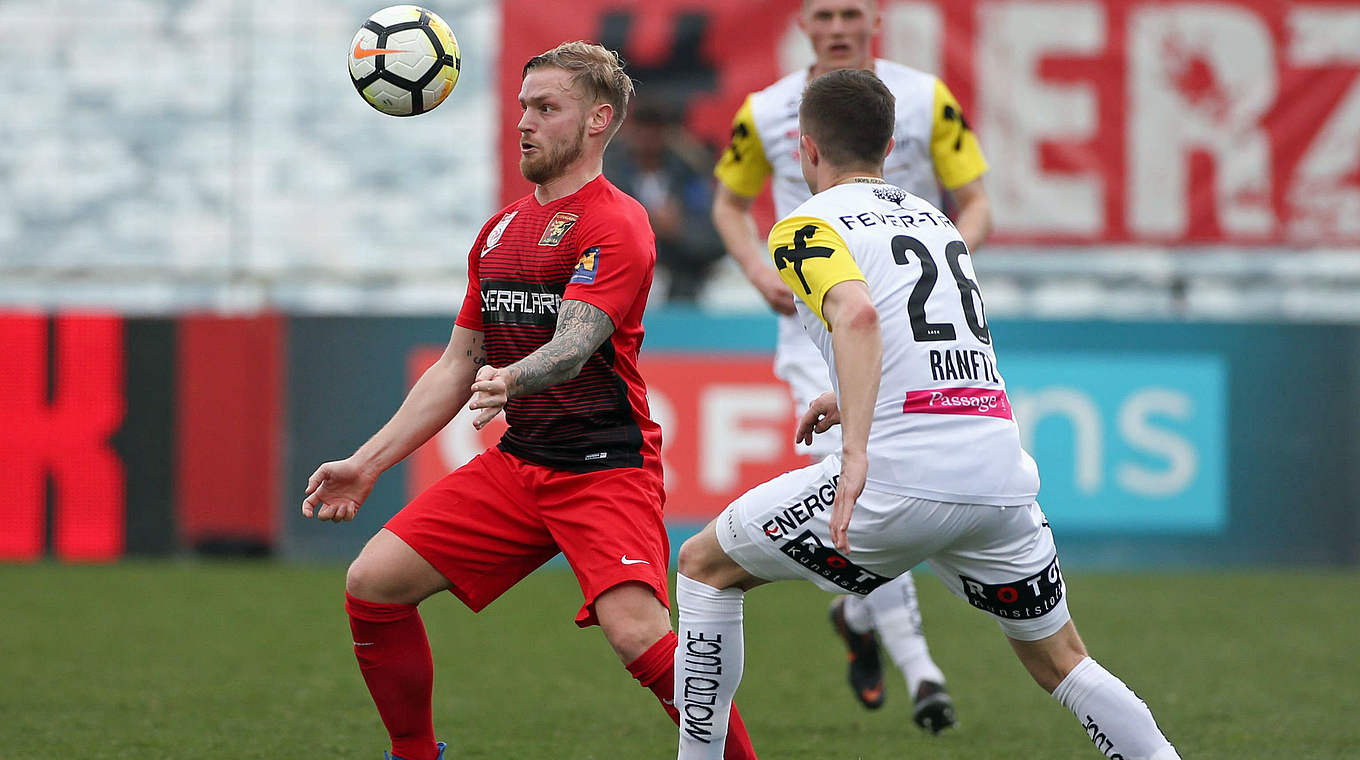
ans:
(404, 60)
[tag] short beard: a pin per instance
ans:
(548, 167)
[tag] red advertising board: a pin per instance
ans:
(230, 379)
(1105, 121)
(61, 401)
(115, 432)
(727, 424)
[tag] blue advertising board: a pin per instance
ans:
(1158, 444)
(1125, 444)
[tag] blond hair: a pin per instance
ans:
(596, 72)
(872, 5)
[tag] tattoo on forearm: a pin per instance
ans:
(476, 352)
(581, 328)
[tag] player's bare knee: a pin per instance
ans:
(632, 619)
(388, 571)
(702, 559)
(632, 637)
(362, 582)
(699, 559)
(371, 581)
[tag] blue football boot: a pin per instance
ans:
(440, 756)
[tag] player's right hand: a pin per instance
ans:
(854, 470)
(820, 415)
(490, 394)
(773, 290)
(336, 490)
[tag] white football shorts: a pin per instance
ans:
(1001, 560)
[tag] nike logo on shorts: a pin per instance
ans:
(624, 559)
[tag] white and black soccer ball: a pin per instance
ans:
(404, 60)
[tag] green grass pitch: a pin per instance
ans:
(252, 660)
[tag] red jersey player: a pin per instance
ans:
(549, 333)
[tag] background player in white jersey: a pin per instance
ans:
(934, 148)
(931, 466)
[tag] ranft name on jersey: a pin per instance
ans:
(961, 364)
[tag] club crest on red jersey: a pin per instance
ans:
(586, 267)
(557, 228)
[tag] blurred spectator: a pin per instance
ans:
(667, 171)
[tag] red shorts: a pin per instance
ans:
(491, 522)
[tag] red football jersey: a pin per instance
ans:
(596, 246)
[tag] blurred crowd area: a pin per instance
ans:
(190, 154)
(185, 155)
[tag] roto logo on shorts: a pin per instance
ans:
(809, 551)
(1024, 599)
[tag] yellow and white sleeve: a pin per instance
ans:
(743, 166)
(811, 257)
(953, 146)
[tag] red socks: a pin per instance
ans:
(394, 656)
(655, 669)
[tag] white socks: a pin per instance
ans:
(892, 610)
(1116, 720)
(858, 618)
(708, 663)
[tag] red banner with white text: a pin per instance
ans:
(1105, 121)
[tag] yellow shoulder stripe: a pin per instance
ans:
(811, 257)
(953, 146)
(743, 166)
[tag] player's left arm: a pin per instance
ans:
(857, 342)
(959, 165)
(581, 328)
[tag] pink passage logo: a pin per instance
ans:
(976, 401)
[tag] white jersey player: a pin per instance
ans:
(930, 467)
(935, 151)
(933, 143)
